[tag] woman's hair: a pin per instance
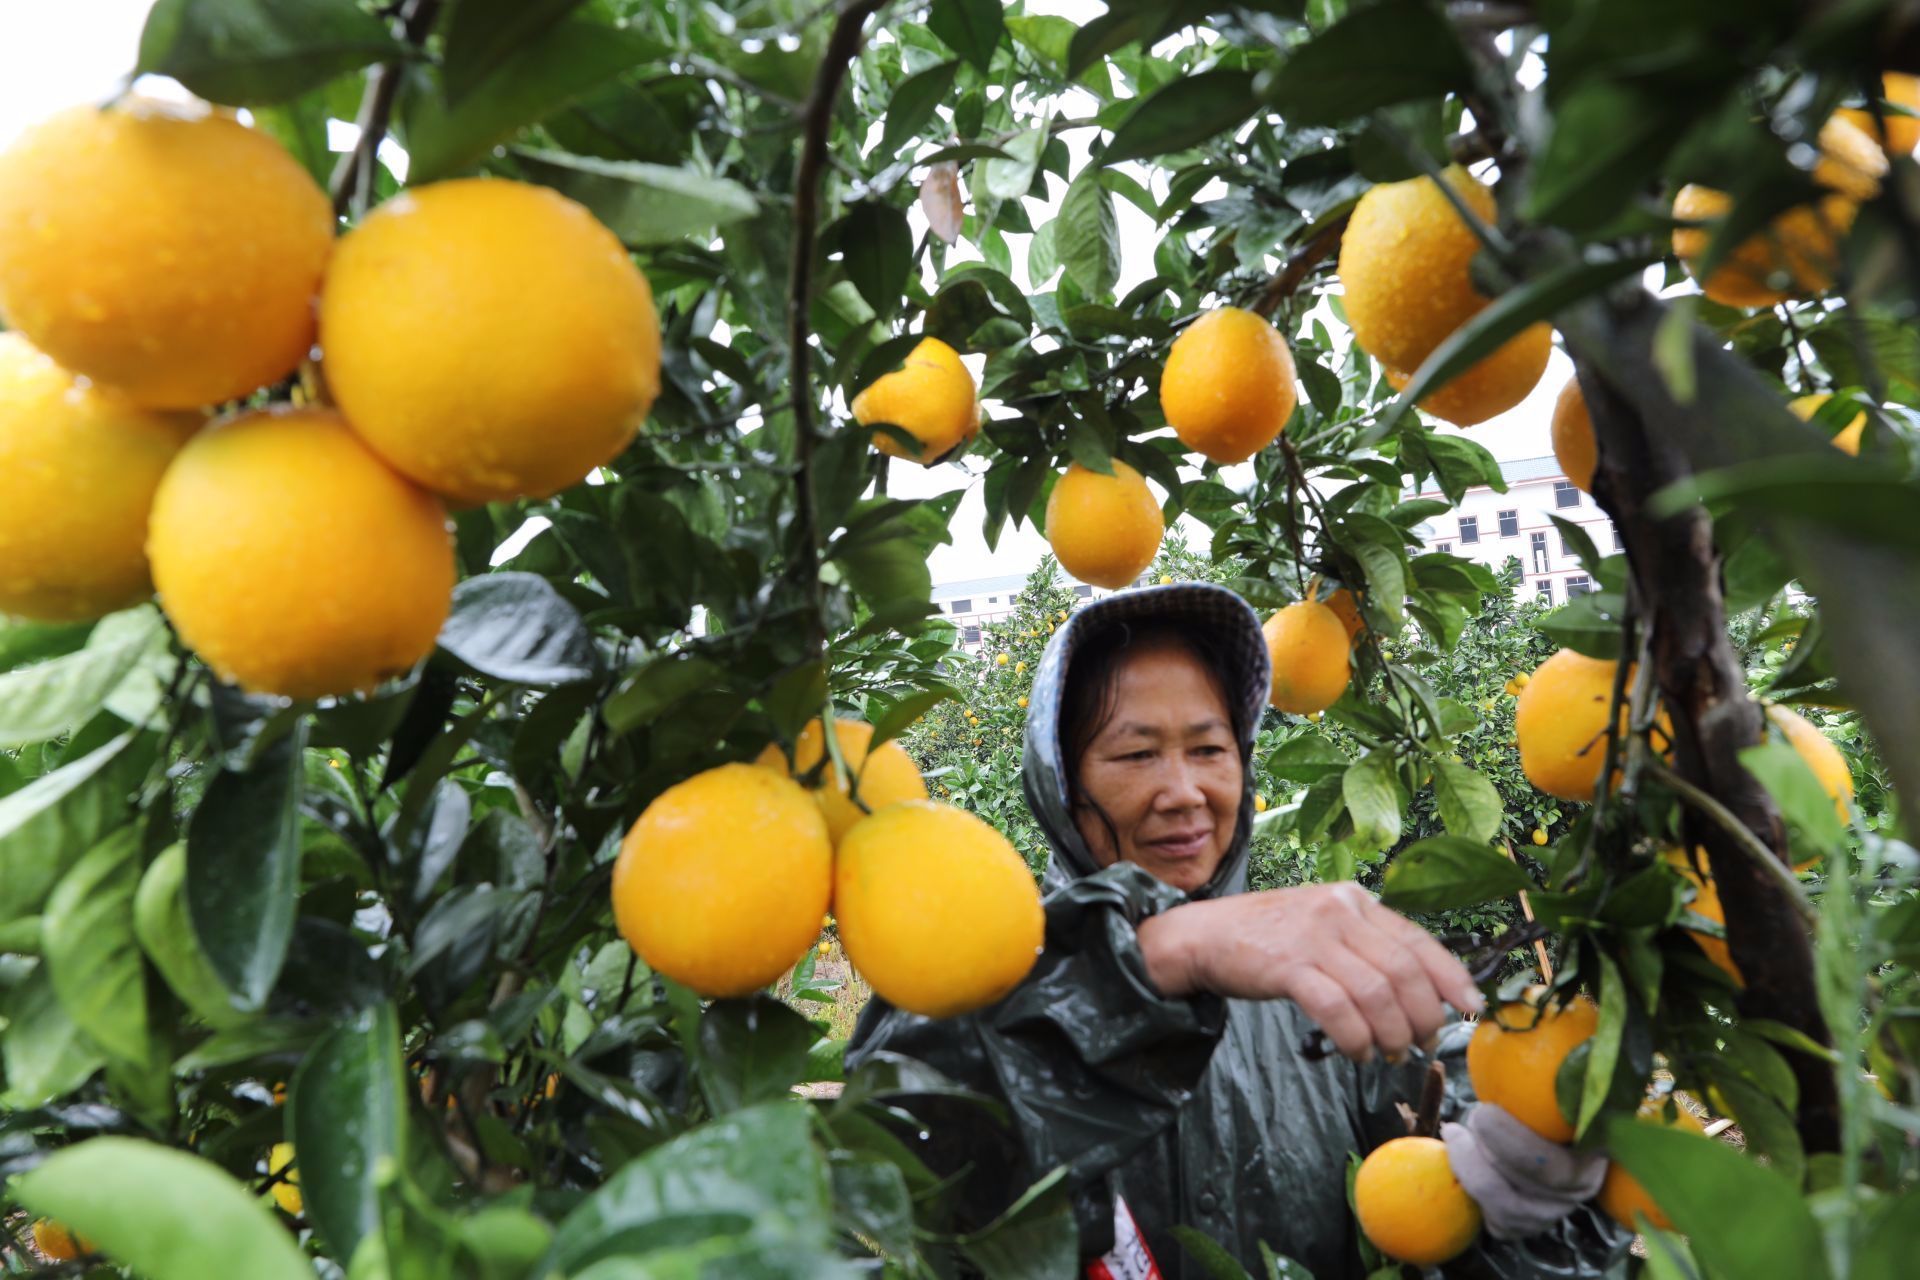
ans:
(1088, 701)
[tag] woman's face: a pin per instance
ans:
(1165, 769)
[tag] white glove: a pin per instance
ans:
(1523, 1183)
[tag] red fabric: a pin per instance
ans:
(1129, 1259)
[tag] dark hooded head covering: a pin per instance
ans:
(1233, 645)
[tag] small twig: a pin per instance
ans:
(1433, 1091)
(1295, 269)
(353, 176)
(1749, 843)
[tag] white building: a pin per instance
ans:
(1488, 527)
(973, 604)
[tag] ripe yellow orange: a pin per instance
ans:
(56, 1243)
(1103, 529)
(882, 777)
(165, 250)
(721, 883)
(1308, 646)
(293, 561)
(1847, 439)
(1902, 133)
(1621, 1195)
(1516, 1052)
(936, 910)
(931, 396)
(490, 339)
(286, 1192)
(78, 467)
(1227, 389)
(1347, 609)
(1795, 254)
(1411, 1206)
(1560, 721)
(1821, 756)
(1404, 263)
(1539, 835)
(1491, 385)
(1573, 440)
(1706, 904)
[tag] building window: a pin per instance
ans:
(1566, 548)
(970, 635)
(1564, 494)
(1444, 548)
(1619, 543)
(993, 599)
(961, 606)
(1539, 541)
(1579, 585)
(1083, 591)
(1509, 524)
(1469, 528)
(1544, 589)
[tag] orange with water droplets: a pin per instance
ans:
(1515, 1054)
(1410, 1205)
(1405, 262)
(1228, 386)
(1104, 530)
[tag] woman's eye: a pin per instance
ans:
(1211, 751)
(1138, 755)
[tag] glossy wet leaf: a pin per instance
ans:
(90, 949)
(249, 52)
(1444, 872)
(644, 204)
(1183, 114)
(47, 825)
(515, 627)
(54, 697)
(971, 28)
(164, 928)
(346, 1113)
(1391, 52)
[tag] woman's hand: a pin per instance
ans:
(1368, 975)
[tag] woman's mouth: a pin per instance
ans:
(1189, 844)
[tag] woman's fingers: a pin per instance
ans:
(1374, 995)
(1326, 1001)
(1449, 977)
(1387, 951)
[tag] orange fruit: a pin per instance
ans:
(1227, 390)
(1347, 609)
(490, 339)
(1515, 1056)
(1491, 385)
(163, 249)
(931, 396)
(1560, 721)
(721, 883)
(293, 561)
(1902, 133)
(935, 909)
(1404, 265)
(286, 1192)
(1847, 439)
(881, 778)
(1706, 904)
(1411, 1206)
(1104, 530)
(1573, 440)
(1308, 645)
(1621, 1197)
(1794, 256)
(1829, 765)
(56, 1243)
(78, 468)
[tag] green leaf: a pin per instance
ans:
(1373, 799)
(46, 1056)
(1603, 1051)
(1586, 625)
(1034, 1239)
(22, 641)
(1858, 499)
(250, 52)
(752, 1051)
(1215, 1262)
(643, 204)
(243, 869)
(482, 34)
(1183, 114)
(346, 1115)
(164, 928)
(1468, 803)
(649, 690)
(162, 1213)
(1118, 27)
(1444, 872)
(516, 627)
(91, 953)
(901, 713)
(48, 824)
(57, 696)
(1307, 758)
(912, 106)
(1009, 177)
(1580, 543)
(1891, 1241)
(1608, 139)
(1395, 51)
(1086, 236)
(876, 247)
(971, 28)
(1803, 802)
(1743, 1218)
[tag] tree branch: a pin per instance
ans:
(1297, 267)
(353, 177)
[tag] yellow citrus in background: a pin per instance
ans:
(1103, 529)
(1411, 1206)
(163, 249)
(1491, 385)
(1573, 440)
(56, 1243)
(1706, 905)
(1847, 439)
(884, 777)
(1227, 389)
(1621, 1195)
(1404, 261)
(1516, 1052)
(1902, 133)
(286, 1192)
(294, 561)
(1560, 721)
(935, 908)
(1347, 609)
(78, 467)
(1829, 765)
(1795, 254)
(931, 396)
(722, 882)
(1308, 646)
(490, 339)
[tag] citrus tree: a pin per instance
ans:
(422, 885)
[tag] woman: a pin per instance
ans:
(1160, 1051)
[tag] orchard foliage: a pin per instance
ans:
(392, 910)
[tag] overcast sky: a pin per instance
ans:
(55, 54)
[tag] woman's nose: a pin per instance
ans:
(1179, 788)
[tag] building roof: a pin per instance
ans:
(1547, 468)
(979, 586)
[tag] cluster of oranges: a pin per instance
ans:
(477, 340)
(723, 882)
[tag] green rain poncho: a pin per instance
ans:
(1199, 1111)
